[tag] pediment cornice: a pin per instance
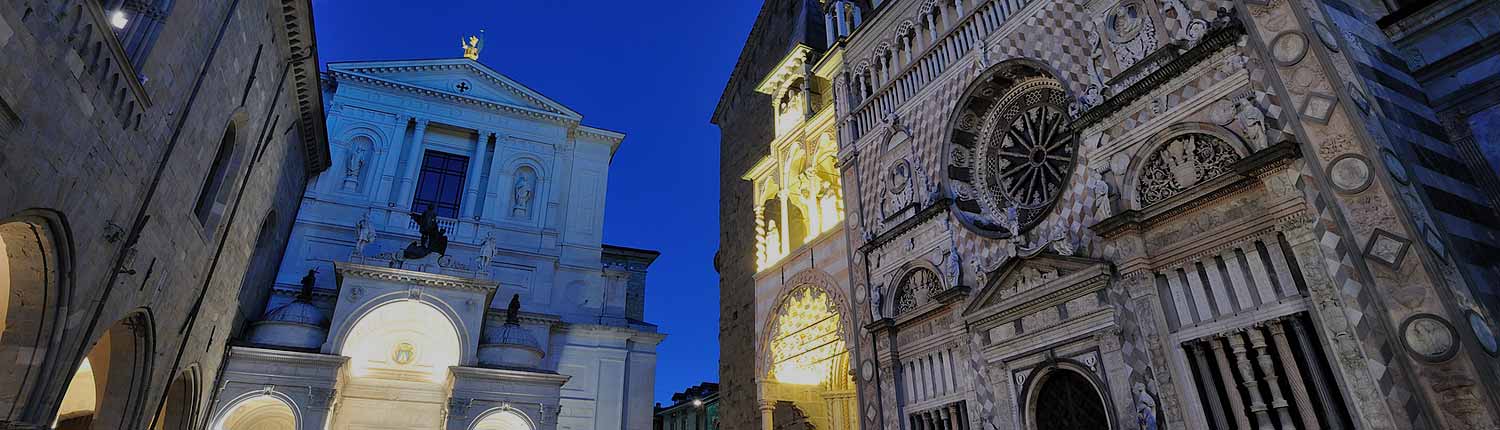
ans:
(455, 97)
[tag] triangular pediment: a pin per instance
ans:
(1019, 279)
(455, 78)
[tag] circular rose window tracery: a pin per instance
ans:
(1010, 150)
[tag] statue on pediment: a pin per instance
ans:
(472, 46)
(433, 239)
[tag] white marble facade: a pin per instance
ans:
(385, 342)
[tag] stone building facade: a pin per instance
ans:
(1159, 214)
(153, 153)
(448, 270)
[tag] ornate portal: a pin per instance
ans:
(1011, 150)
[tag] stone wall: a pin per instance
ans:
(745, 122)
(111, 172)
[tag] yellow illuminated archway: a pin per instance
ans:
(262, 412)
(807, 344)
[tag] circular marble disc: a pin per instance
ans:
(1429, 337)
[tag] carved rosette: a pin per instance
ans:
(1010, 150)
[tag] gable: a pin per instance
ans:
(462, 78)
(1035, 277)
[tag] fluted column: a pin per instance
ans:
(1293, 376)
(1236, 404)
(469, 207)
(1252, 385)
(413, 165)
(493, 201)
(1325, 399)
(1208, 386)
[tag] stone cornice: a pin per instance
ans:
(1243, 175)
(1044, 296)
(454, 97)
(938, 206)
(413, 277)
(278, 355)
(510, 375)
(1217, 39)
(302, 63)
(466, 65)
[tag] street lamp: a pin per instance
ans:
(697, 403)
(118, 20)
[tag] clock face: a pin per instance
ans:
(1010, 151)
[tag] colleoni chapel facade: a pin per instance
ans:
(1107, 214)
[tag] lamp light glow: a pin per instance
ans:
(118, 19)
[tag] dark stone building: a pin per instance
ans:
(152, 155)
(696, 408)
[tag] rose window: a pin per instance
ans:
(1011, 151)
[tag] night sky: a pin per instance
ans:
(653, 70)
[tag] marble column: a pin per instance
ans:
(766, 419)
(497, 191)
(469, 208)
(1206, 382)
(1226, 375)
(1268, 370)
(1252, 385)
(391, 161)
(413, 166)
(1293, 376)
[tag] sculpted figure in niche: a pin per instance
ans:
(955, 268)
(353, 165)
(525, 186)
(1100, 190)
(1254, 121)
(877, 299)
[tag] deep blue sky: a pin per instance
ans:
(653, 70)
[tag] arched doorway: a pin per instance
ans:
(1067, 400)
(107, 388)
(34, 265)
(178, 410)
(259, 412)
(806, 358)
(399, 355)
(502, 419)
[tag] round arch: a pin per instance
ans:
(1130, 188)
(259, 410)
(503, 418)
(36, 272)
(893, 289)
(179, 406)
(366, 130)
(109, 387)
(811, 280)
(337, 341)
(405, 336)
(1066, 376)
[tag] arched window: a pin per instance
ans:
(137, 23)
(211, 201)
(916, 289)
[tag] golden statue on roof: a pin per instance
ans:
(472, 46)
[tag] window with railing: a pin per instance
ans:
(440, 184)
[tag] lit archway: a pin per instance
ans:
(258, 412)
(34, 267)
(403, 340)
(399, 355)
(107, 388)
(502, 419)
(806, 356)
